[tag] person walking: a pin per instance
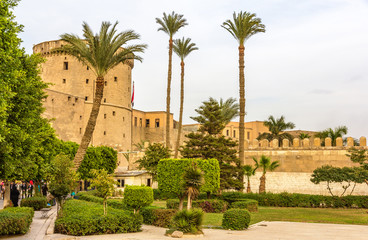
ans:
(24, 189)
(44, 189)
(14, 194)
(30, 189)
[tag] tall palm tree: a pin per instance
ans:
(276, 127)
(230, 109)
(249, 171)
(182, 48)
(100, 52)
(170, 24)
(193, 180)
(243, 26)
(332, 133)
(266, 165)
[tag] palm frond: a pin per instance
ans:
(171, 23)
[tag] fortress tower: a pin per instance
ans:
(71, 94)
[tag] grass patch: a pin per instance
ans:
(312, 215)
(159, 204)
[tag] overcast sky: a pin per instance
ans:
(311, 65)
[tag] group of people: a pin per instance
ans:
(23, 190)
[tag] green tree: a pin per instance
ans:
(304, 135)
(209, 143)
(170, 24)
(101, 52)
(266, 165)
(277, 128)
(243, 26)
(63, 179)
(104, 184)
(359, 156)
(249, 171)
(153, 154)
(182, 48)
(332, 133)
(193, 180)
(230, 109)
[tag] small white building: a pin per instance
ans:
(134, 177)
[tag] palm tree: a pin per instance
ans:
(276, 127)
(333, 134)
(170, 24)
(100, 52)
(304, 135)
(249, 171)
(193, 180)
(182, 48)
(266, 165)
(230, 109)
(243, 26)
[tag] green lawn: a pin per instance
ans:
(316, 215)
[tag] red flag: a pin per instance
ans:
(132, 102)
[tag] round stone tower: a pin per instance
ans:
(71, 94)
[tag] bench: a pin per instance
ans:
(44, 212)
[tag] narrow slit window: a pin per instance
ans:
(64, 80)
(104, 132)
(234, 133)
(135, 121)
(157, 122)
(115, 79)
(66, 66)
(104, 99)
(68, 98)
(147, 123)
(105, 83)
(86, 98)
(113, 113)
(87, 68)
(87, 80)
(105, 115)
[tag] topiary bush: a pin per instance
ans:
(34, 202)
(15, 220)
(137, 197)
(81, 218)
(157, 216)
(188, 221)
(208, 205)
(159, 195)
(236, 219)
(114, 203)
(249, 204)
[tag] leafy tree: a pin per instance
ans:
(63, 179)
(170, 24)
(101, 52)
(182, 47)
(230, 109)
(276, 127)
(249, 171)
(345, 176)
(138, 197)
(243, 26)
(359, 156)
(208, 143)
(193, 180)
(266, 165)
(304, 135)
(104, 184)
(332, 133)
(153, 154)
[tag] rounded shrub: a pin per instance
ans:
(249, 204)
(137, 197)
(15, 220)
(236, 219)
(34, 202)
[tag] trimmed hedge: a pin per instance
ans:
(137, 197)
(250, 204)
(208, 206)
(157, 216)
(34, 202)
(298, 200)
(90, 197)
(81, 218)
(159, 195)
(15, 220)
(236, 219)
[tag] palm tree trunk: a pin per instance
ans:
(168, 95)
(248, 187)
(262, 184)
(86, 139)
(181, 108)
(189, 206)
(241, 105)
(181, 202)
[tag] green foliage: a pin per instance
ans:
(138, 196)
(157, 217)
(236, 219)
(303, 136)
(345, 176)
(207, 205)
(153, 154)
(63, 178)
(81, 218)
(15, 220)
(298, 200)
(193, 180)
(158, 194)
(34, 202)
(188, 221)
(90, 197)
(277, 128)
(359, 156)
(250, 204)
(171, 172)
(332, 133)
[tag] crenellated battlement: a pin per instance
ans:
(313, 143)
